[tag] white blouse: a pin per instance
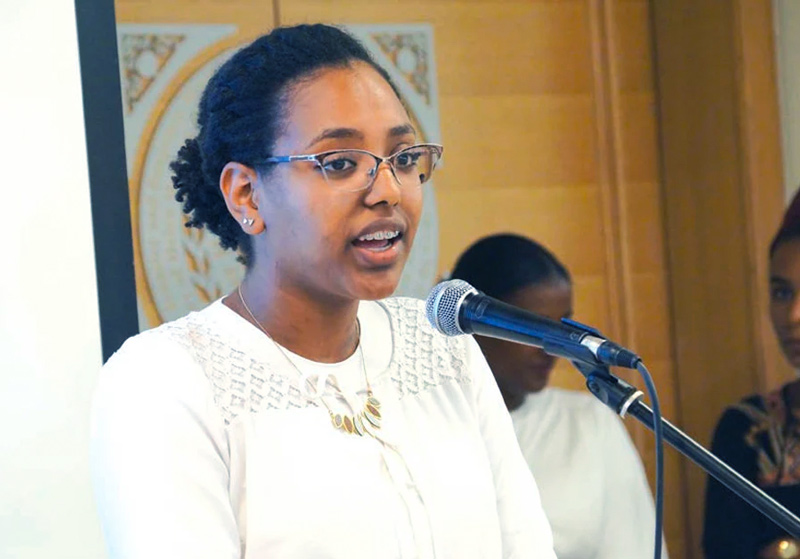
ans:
(205, 444)
(593, 486)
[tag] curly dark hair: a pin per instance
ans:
(501, 264)
(242, 112)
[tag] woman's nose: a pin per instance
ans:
(794, 311)
(385, 187)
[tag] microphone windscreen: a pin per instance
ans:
(443, 304)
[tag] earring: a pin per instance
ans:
(247, 221)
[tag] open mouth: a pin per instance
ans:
(379, 241)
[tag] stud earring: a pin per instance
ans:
(247, 221)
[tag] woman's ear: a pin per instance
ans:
(237, 184)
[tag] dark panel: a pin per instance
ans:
(108, 176)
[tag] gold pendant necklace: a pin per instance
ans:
(361, 423)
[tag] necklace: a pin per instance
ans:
(361, 423)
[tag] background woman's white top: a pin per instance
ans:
(206, 445)
(593, 486)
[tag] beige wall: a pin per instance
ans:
(50, 347)
(787, 37)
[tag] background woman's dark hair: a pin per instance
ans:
(241, 115)
(500, 264)
(790, 226)
(785, 234)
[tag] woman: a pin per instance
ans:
(760, 436)
(299, 416)
(592, 483)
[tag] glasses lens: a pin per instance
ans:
(351, 170)
(413, 166)
(348, 170)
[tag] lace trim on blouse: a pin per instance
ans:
(421, 361)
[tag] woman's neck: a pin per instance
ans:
(512, 398)
(323, 331)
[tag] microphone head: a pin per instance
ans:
(443, 305)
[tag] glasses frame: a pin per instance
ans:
(317, 158)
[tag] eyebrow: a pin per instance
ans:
(402, 130)
(350, 133)
(336, 133)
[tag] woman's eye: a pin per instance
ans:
(781, 294)
(406, 160)
(338, 165)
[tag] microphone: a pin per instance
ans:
(454, 308)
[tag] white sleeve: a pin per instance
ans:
(629, 513)
(525, 530)
(159, 456)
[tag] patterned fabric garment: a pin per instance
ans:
(759, 438)
(775, 437)
(207, 444)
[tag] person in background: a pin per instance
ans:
(593, 486)
(306, 414)
(760, 436)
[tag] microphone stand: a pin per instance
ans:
(624, 399)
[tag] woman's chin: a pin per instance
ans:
(537, 383)
(380, 289)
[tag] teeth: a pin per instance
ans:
(379, 236)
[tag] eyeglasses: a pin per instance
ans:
(350, 170)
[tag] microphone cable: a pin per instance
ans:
(659, 442)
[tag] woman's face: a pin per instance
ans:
(784, 300)
(518, 368)
(312, 230)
